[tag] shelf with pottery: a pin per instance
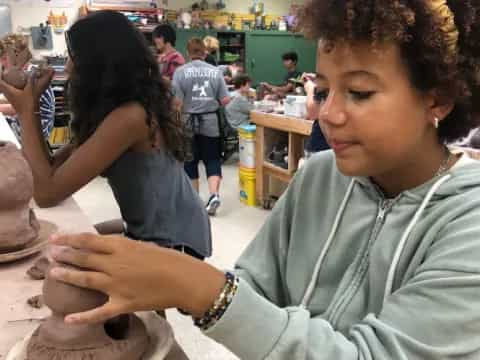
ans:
(99, 7)
(271, 128)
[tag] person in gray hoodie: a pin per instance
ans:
(373, 251)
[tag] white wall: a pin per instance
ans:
(27, 16)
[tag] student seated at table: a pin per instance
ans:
(125, 129)
(290, 61)
(239, 108)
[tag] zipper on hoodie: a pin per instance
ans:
(384, 208)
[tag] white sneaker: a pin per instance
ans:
(213, 204)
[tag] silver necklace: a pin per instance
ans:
(444, 165)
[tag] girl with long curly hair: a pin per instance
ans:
(125, 129)
(373, 251)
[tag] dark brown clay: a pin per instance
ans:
(18, 224)
(123, 338)
(38, 270)
(15, 77)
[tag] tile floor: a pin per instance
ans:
(233, 228)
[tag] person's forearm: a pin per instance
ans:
(283, 90)
(36, 153)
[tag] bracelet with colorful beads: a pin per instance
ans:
(220, 306)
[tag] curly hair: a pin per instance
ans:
(113, 65)
(424, 36)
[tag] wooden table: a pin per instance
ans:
(269, 127)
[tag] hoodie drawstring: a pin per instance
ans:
(400, 247)
(406, 234)
(316, 272)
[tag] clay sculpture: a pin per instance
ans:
(123, 338)
(18, 224)
(15, 75)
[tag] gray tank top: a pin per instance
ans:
(158, 202)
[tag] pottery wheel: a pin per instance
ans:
(158, 329)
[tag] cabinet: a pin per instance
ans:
(265, 50)
(183, 35)
(262, 51)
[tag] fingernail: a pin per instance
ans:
(55, 252)
(57, 273)
(71, 319)
(54, 237)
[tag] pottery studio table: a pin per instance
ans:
(270, 129)
(17, 318)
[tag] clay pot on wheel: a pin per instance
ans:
(123, 338)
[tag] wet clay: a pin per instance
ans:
(123, 338)
(15, 77)
(38, 270)
(18, 224)
(36, 301)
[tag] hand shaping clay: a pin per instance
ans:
(15, 77)
(123, 338)
(18, 224)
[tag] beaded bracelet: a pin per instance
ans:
(220, 306)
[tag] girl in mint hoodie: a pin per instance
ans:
(374, 250)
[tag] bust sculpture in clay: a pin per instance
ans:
(123, 338)
(18, 55)
(18, 224)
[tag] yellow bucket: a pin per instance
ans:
(246, 146)
(247, 178)
(247, 132)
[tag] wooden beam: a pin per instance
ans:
(277, 172)
(259, 159)
(122, 8)
(283, 123)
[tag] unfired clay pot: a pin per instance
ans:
(123, 338)
(18, 224)
(15, 77)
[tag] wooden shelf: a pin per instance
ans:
(271, 127)
(147, 29)
(122, 8)
(276, 168)
(277, 171)
(282, 122)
